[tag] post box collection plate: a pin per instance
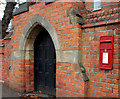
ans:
(106, 52)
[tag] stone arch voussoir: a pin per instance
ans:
(42, 21)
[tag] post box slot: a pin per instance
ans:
(106, 48)
(105, 41)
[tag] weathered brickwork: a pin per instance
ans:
(78, 43)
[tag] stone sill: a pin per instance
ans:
(101, 23)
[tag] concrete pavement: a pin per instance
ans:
(8, 93)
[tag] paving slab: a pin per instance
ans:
(8, 93)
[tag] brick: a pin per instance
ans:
(117, 21)
(74, 89)
(82, 91)
(116, 15)
(116, 71)
(100, 84)
(69, 27)
(100, 75)
(100, 28)
(61, 75)
(115, 91)
(111, 95)
(77, 26)
(77, 35)
(116, 51)
(90, 74)
(116, 81)
(91, 83)
(70, 85)
(90, 92)
(75, 39)
(112, 86)
(74, 48)
(111, 27)
(116, 46)
(79, 95)
(82, 83)
(96, 70)
(89, 30)
(94, 87)
(100, 23)
(59, 5)
(65, 80)
(113, 76)
(104, 33)
(106, 80)
(61, 83)
(69, 77)
(100, 93)
(66, 64)
(58, 63)
(74, 81)
(79, 87)
(69, 93)
(106, 90)
(94, 79)
(77, 30)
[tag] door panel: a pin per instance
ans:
(44, 64)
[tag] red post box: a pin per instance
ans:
(106, 52)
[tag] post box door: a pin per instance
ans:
(106, 52)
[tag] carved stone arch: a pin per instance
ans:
(42, 22)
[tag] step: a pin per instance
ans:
(34, 95)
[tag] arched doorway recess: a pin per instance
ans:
(39, 30)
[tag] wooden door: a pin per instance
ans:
(44, 64)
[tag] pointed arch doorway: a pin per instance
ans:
(37, 32)
(44, 64)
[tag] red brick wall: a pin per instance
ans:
(84, 38)
(102, 82)
(101, 23)
(1, 57)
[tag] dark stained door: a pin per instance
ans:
(44, 64)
